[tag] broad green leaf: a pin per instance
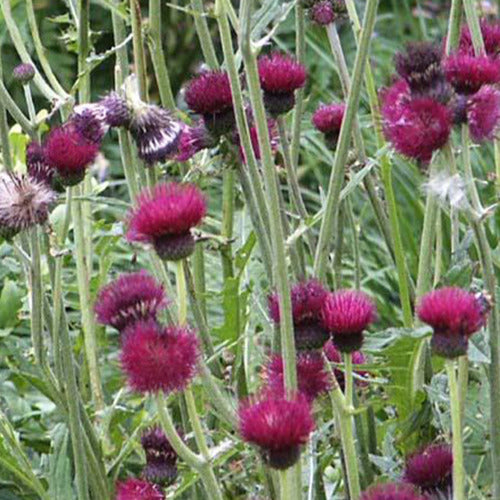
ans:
(10, 304)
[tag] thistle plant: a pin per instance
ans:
(247, 255)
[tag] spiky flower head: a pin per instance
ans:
(164, 217)
(138, 489)
(254, 139)
(278, 426)
(280, 76)
(156, 358)
(335, 356)
(193, 140)
(69, 154)
(324, 12)
(23, 73)
(118, 112)
(129, 298)
(391, 491)
(483, 114)
(307, 302)
(346, 315)
(490, 31)
(313, 379)
(24, 203)
(36, 164)
(209, 94)
(454, 315)
(328, 120)
(161, 458)
(90, 121)
(430, 469)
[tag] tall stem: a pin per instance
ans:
(36, 297)
(228, 185)
(206, 43)
(139, 56)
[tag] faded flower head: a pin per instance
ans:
(307, 302)
(90, 121)
(129, 298)
(23, 73)
(454, 314)
(335, 356)
(328, 120)
(430, 469)
(24, 203)
(118, 113)
(313, 378)
(391, 491)
(483, 114)
(164, 217)
(36, 164)
(280, 76)
(193, 140)
(156, 358)
(448, 189)
(346, 314)
(278, 426)
(467, 74)
(138, 489)
(161, 458)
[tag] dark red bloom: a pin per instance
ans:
(391, 491)
(164, 217)
(307, 302)
(129, 298)
(161, 458)
(322, 13)
(137, 489)
(280, 76)
(24, 72)
(491, 36)
(483, 114)
(467, 74)
(155, 358)
(346, 314)
(36, 164)
(69, 153)
(335, 356)
(313, 378)
(454, 314)
(279, 427)
(430, 469)
(118, 113)
(328, 120)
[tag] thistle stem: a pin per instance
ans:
(206, 43)
(36, 297)
(181, 293)
(228, 185)
(349, 386)
(138, 45)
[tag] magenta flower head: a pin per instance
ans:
(254, 138)
(69, 154)
(324, 12)
(137, 489)
(280, 76)
(391, 491)
(454, 315)
(430, 469)
(313, 378)
(209, 94)
(278, 426)
(24, 203)
(307, 302)
(491, 36)
(335, 356)
(155, 358)
(161, 459)
(193, 140)
(36, 164)
(483, 114)
(129, 298)
(90, 121)
(328, 120)
(24, 73)
(164, 217)
(346, 315)
(118, 112)
(467, 74)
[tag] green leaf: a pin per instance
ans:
(60, 466)
(10, 304)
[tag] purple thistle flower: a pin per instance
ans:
(23, 73)
(36, 164)
(161, 458)
(483, 114)
(137, 489)
(118, 113)
(392, 491)
(90, 121)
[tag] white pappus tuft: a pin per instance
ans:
(448, 189)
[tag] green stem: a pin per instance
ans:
(206, 43)
(18, 116)
(199, 288)
(474, 26)
(181, 292)
(138, 46)
(287, 489)
(355, 244)
(457, 443)
(454, 25)
(339, 246)
(228, 194)
(36, 298)
(349, 385)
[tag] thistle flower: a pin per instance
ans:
(324, 12)
(90, 121)
(164, 217)
(161, 458)
(483, 114)
(280, 76)
(254, 139)
(467, 74)
(155, 358)
(137, 489)
(36, 164)
(69, 154)
(346, 314)
(312, 377)
(491, 37)
(24, 203)
(129, 298)
(430, 469)
(307, 302)
(334, 355)
(391, 491)
(328, 120)
(23, 73)
(118, 113)
(278, 426)
(454, 315)
(193, 140)
(209, 94)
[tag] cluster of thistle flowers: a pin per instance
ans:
(434, 91)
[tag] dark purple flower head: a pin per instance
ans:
(193, 140)
(454, 314)
(307, 302)
(254, 138)
(430, 469)
(280, 76)
(346, 314)
(129, 298)
(278, 426)
(36, 164)
(483, 114)
(335, 356)
(491, 36)
(118, 113)
(324, 12)
(164, 217)
(137, 489)
(156, 358)
(328, 120)
(24, 73)
(467, 74)
(69, 154)
(161, 458)
(391, 491)
(90, 121)
(313, 378)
